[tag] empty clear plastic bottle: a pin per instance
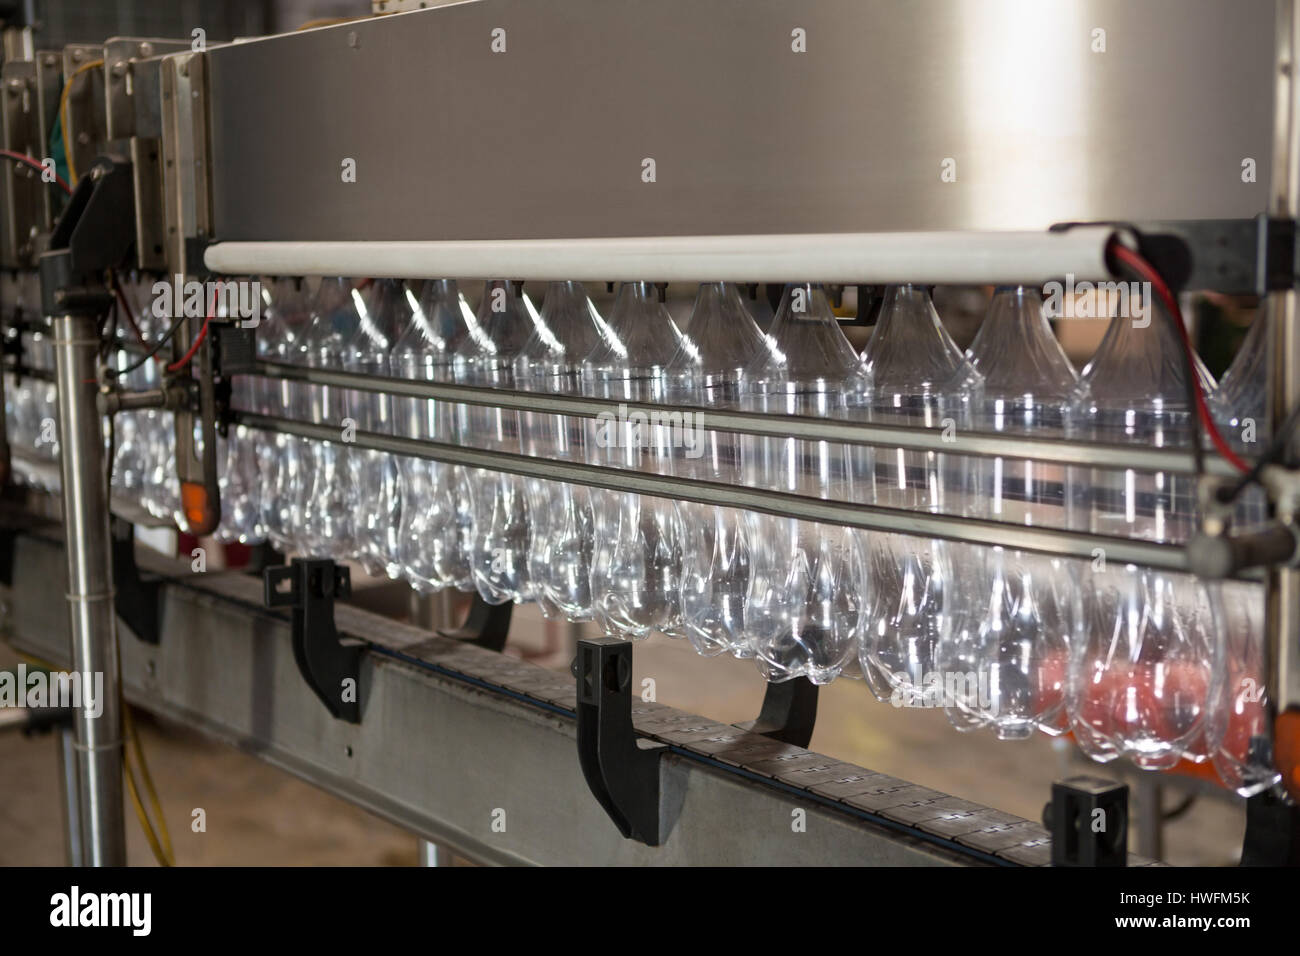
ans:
(322, 504)
(807, 588)
(376, 504)
(240, 482)
(1238, 733)
(1008, 653)
(760, 309)
(498, 507)
(911, 374)
(161, 493)
(560, 542)
(708, 371)
(284, 317)
(426, 487)
(1143, 672)
(636, 557)
(130, 459)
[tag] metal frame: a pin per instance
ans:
(1050, 541)
(459, 208)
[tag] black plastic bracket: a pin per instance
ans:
(788, 714)
(1272, 832)
(136, 597)
(330, 667)
(486, 625)
(623, 772)
(1088, 820)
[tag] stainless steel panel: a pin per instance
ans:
(49, 82)
(454, 141)
(133, 97)
(87, 114)
(131, 84)
(20, 185)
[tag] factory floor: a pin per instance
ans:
(258, 815)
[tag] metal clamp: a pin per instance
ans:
(486, 625)
(330, 667)
(788, 714)
(136, 599)
(623, 772)
(1088, 820)
(1272, 831)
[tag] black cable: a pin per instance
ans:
(1276, 449)
(108, 461)
(153, 351)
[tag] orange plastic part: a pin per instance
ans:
(202, 513)
(1286, 750)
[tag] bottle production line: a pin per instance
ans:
(449, 142)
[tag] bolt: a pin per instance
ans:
(146, 48)
(119, 67)
(15, 86)
(77, 56)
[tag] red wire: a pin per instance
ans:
(1140, 265)
(184, 360)
(36, 164)
(127, 312)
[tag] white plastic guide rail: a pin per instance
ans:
(953, 257)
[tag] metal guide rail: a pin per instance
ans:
(453, 732)
(867, 517)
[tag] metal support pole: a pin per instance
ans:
(1282, 615)
(434, 854)
(1150, 819)
(66, 742)
(98, 740)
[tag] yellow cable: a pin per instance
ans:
(63, 116)
(150, 790)
(144, 820)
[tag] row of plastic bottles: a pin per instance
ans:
(31, 401)
(1152, 666)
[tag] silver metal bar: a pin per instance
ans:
(433, 854)
(1050, 541)
(66, 743)
(98, 739)
(1055, 451)
(1150, 815)
(1282, 615)
(880, 258)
